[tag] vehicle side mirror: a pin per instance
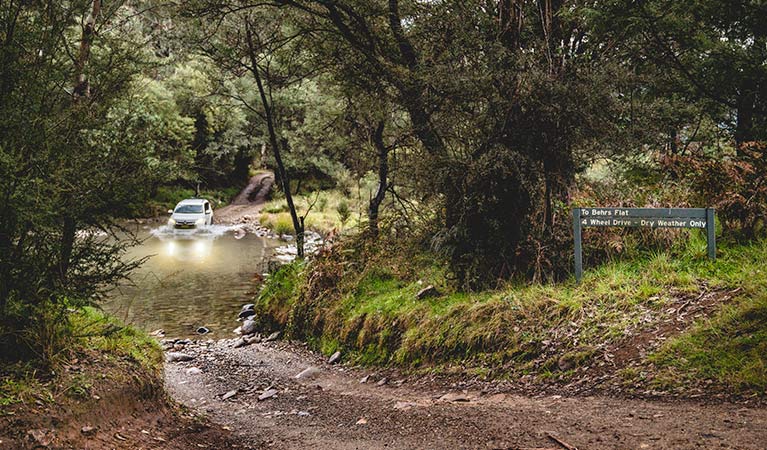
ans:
(170, 211)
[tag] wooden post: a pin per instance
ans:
(578, 244)
(711, 233)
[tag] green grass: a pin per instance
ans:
(325, 216)
(103, 333)
(531, 329)
(91, 332)
(729, 349)
(20, 385)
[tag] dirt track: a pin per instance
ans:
(332, 409)
(247, 205)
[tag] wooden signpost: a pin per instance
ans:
(641, 217)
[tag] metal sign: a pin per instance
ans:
(641, 217)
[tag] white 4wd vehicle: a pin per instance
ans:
(191, 213)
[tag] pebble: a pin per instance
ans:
(269, 393)
(272, 337)
(308, 373)
(334, 358)
(246, 314)
(428, 291)
(229, 394)
(248, 327)
(178, 356)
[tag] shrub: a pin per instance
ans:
(734, 185)
(283, 224)
(343, 210)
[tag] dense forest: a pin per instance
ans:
(441, 143)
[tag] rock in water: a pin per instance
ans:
(203, 330)
(178, 356)
(334, 358)
(428, 291)
(249, 306)
(272, 337)
(248, 327)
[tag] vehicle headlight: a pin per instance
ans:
(200, 222)
(171, 222)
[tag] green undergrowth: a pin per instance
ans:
(331, 210)
(97, 331)
(546, 331)
(168, 196)
(96, 345)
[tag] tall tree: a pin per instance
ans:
(717, 50)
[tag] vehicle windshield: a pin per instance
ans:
(188, 209)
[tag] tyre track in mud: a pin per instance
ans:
(328, 407)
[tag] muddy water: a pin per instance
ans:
(191, 280)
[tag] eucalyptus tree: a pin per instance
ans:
(716, 51)
(507, 99)
(248, 41)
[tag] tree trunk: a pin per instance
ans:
(744, 131)
(81, 90)
(82, 86)
(298, 223)
(383, 176)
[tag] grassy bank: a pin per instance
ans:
(330, 210)
(660, 322)
(123, 354)
(105, 390)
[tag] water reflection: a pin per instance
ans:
(191, 279)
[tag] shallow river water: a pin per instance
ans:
(191, 280)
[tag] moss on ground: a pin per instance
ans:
(543, 330)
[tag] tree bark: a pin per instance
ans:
(82, 86)
(383, 177)
(744, 129)
(298, 223)
(81, 90)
